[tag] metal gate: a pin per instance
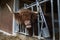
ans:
(43, 21)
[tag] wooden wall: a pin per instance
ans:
(6, 18)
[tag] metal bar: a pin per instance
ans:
(58, 4)
(52, 13)
(36, 4)
(44, 21)
(39, 32)
(32, 8)
(23, 29)
(14, 21)
(13, 17)
(33, 27)
(16, 5)
(24, 33)
(42, 18)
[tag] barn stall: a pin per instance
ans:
(48, 7)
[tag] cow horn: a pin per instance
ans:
(9, 8)
(35, 12)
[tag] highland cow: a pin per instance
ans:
(28, 19)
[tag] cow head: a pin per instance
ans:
(24, 16)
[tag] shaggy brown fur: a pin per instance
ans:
(25, 14)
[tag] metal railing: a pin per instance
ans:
(39, 10)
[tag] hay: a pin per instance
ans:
(6, 37)
(18, 37)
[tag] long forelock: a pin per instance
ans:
(24, 11)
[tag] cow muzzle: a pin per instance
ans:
(27, 23)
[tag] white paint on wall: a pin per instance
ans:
(5, 32)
